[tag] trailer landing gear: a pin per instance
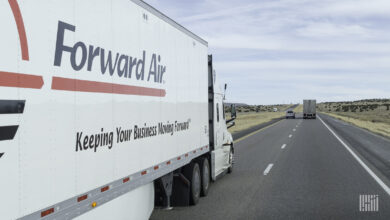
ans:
(184, 186)
(163, 191)
(187, 185)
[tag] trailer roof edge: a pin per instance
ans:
(167, 19)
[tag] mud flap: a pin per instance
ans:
(163, 191)
(181, 190)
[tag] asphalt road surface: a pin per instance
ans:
(299, 169)
(245, 132)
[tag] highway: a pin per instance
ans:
(300, 169)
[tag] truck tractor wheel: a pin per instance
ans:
(231, 159)
(205, 165)
(192, 173)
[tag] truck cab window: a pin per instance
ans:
(217, 112)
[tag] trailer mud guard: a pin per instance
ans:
(163, 191)
(181, 191)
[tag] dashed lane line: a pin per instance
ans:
(268, 169)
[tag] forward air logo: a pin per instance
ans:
(121, 65)
(10, 107)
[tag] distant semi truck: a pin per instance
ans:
(309, 108)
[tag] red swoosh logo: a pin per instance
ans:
(77, 85)
(20, 80)
(21, 30)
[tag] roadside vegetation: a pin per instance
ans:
(252, 115)
(370, 114)
(299, 108)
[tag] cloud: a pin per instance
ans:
(378, 64)
(325, 30)
(271, 51)
(358, 8)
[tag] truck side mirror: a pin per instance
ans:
(224, 92)
(233, 111)
(231, 124)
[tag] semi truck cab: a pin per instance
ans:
(221, 140)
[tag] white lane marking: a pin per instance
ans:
(294, 129)
(369, 171)
(266, 171)
(283, 146)
(290, 136)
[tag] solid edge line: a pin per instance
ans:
(268, 169)
(257, 131)
(369, 171)
(378, 135)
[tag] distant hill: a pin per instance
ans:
(365, 101)
(241, 107)
(370, 114)
(237, 104)
(365, 105)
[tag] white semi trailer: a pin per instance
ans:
(107, 108)
(309, 109)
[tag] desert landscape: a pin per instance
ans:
(370, 114)
(252, 115)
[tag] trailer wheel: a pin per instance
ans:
(231, 159)
(192, 173)
(205, 165)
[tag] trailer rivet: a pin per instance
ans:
(94, 204)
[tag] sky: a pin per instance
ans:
(283, 51)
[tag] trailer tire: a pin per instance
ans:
(205, 172)
(192, 173)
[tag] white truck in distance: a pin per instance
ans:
(309, 108)
(106, 111)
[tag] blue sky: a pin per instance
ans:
(282, 51)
